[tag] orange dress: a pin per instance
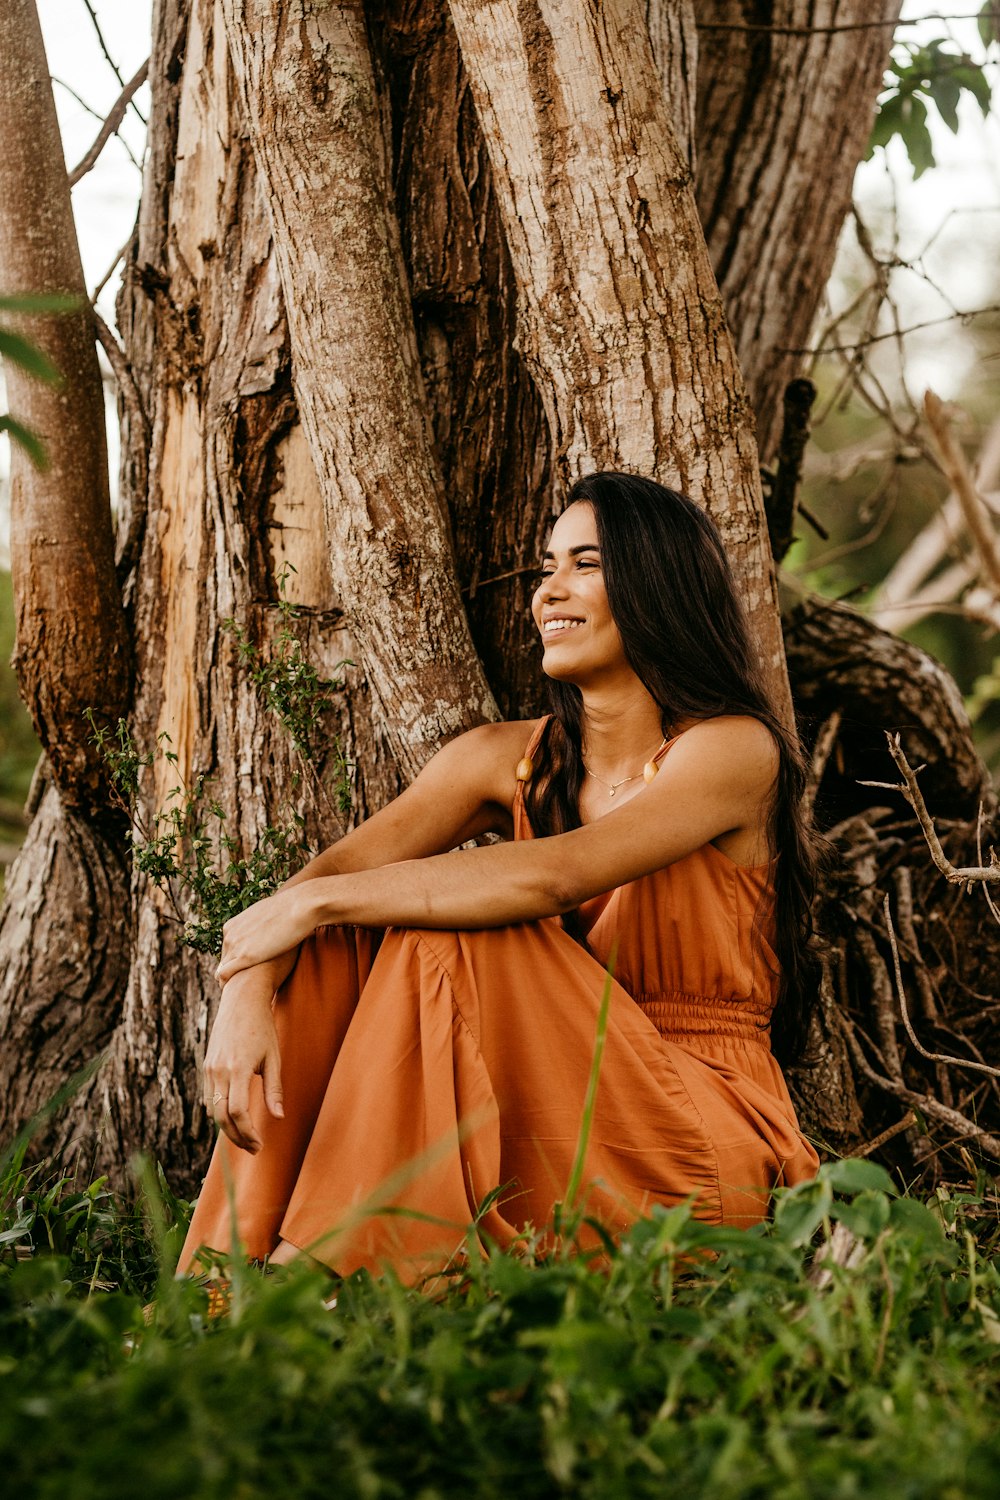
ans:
(423, 1069)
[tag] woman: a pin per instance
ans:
(435, 1013)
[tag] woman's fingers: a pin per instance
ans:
(271, 1073)
(239, 1115)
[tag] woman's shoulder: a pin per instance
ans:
(731, 743)
(501, 742)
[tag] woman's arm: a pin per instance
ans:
(465, 790)
(719, 777)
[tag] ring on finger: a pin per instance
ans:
(217, 1097)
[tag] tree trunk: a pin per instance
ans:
(62, 933)
(633, 360)
(783, 118)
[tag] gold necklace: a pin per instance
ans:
(647, 773)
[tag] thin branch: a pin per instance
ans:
(483, 583)
(110, 60)
(943, 1057)
(79, 98)
(886, 1135)
(99, 288)
(966, 875)
(894, 333)
(111, 124)
(974, 507)
(123, 373)
(922, 1102)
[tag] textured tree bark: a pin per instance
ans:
(620, 320)
(72, 649)
(63, 936)
(305, 78)
(782, 121)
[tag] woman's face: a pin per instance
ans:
(570, 605)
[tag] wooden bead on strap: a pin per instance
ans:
(525, 769)
(649, 770)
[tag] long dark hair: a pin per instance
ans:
(674, 600)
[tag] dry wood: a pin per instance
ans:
(956, 1122)
(942, 1057)
(974, 508)
(910, 788)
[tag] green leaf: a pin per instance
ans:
(916, 1219)
(975, 82)
(945, 91)
(887, 121)
(801, 1211)
(854, 1175)
(24, 354)
(866, 1216)
(28, 440)
(915, 135)
(989, 23)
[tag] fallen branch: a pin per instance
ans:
(922, 1102)
(961, 1062)
(964, 875)
(822, 750)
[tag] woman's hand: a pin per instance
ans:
(267, 930)
(244, 1042)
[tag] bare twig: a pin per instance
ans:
(886, 1135)
(109, 59)
(974, 508)
(960, 1062)
(994, 909)
(111, 124)
(894, 333)
(965, 875)
(922, 1102)
(99, 288)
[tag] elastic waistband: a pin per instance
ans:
(678, 1013)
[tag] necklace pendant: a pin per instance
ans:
(612, 791)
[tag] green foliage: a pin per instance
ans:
(287, 681)
(185, 850)
(21, 352)
(693, 1361)
(934, 73)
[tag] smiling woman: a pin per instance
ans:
(432, 1011)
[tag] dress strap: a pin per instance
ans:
(522, 828)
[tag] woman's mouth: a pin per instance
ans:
(559, 626)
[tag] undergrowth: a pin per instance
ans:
(696, 1362)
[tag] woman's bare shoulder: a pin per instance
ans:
(732, 744)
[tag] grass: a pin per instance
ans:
(696, 1361)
